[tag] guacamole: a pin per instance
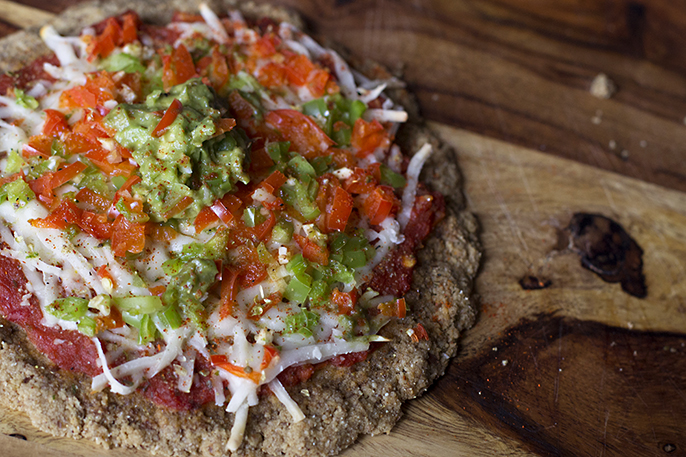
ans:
(190, 159)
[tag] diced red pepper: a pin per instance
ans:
(178, 208)
(222, 362)
(175, 108)
(379, 204)
(311, 250)
(55, 123)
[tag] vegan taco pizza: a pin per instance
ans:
(214, 237)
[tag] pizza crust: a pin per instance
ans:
(339, 403)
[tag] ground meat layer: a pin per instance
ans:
(339, 403)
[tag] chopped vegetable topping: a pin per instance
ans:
(220, 192)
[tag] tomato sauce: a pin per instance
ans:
(32, 72)
(161, 389)
(393, 275)
(69, 350)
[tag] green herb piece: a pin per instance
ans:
(282, 232)
(392, 178)
(25, 101)
(302, 323)
(68, 308)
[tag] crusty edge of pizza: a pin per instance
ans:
(339, 403)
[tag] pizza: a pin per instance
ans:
(215, 239)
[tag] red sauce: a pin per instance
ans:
(393, 275)
(294, 375)
(162, 390)
(29, 73)
(69, 350)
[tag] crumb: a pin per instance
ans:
(505, 362)
(643, 143)
(624, 155)
(598, 118)
(612, 144)
(603, 87)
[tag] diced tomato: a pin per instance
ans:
(262, 231)
(175, 108)
(45, 185)
(367, 136)
(127, 237)
(129, 32)
(96, 225)
(274, 181)
(298, 69)
(345, 301)
(342, 206)
(379, 204)
(260, 160)
(103, 44)
(181, 16)
(221, 211)
(38, 145)
(394, 308)
(113, 320)
(178, 67)
(360, 182)
(224, 125)
(318, 82)
(157, 290)
(204, 219)
(311, 250)
(219, 69)
(67, 213)
(67, 173)
(305, 135)
(250, 270)
(161, 233)
(126, 186)
(222, 362)
(266, 45)
(93, 198)
(272, 75)
(77, 143)
(420, 333)
(55, 123)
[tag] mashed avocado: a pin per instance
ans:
(189, 159)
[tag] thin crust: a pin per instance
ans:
(339, 403)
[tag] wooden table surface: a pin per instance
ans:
(580, 367)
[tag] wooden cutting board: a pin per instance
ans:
(578, 368)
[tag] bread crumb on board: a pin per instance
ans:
(603, 87)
